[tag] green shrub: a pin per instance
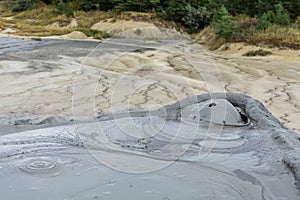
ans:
(175, 9)
(69, 12)
(60, 7)
(154, 4)
(196, 18)
(88, 5)
(264, 22)
(225, 26)
(21, 5)
(64, 9)
(281, 16)
(246, 27)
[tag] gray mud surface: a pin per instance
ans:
(175, 161)
(24, 49)
(55, 147)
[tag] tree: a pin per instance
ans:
(225, 27)
(294, 8)
(196, 19)
(154, 4)
(60, 7)
(88, 5)
(281, 16)
(176, 9)
(21, 5)
(63, 9)
(264, 21)
(106, 5)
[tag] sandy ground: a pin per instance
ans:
(274, 79)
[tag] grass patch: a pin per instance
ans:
(274, 36)
(93, 33)
(35, 23)
(279, 33)
(259, 52)
(42, 17)
(61, 19)
(2, 24)
(9, 21)
(279, 36)
(88, 19)
(40, 31)
(43, 13)
(5, 11)
(26, 29)
(209, 38)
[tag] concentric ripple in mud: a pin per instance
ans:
(41, 167)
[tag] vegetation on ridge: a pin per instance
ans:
(234, 21)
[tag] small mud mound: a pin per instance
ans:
(75, 35)
(136, 30)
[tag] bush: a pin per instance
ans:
(88, 5)
(154, 4)
(245, 27)
(226, 27)
(175, 10)
(60, 7)
(21, 5)
(69, 12)
(281, 16)
(196, 18)
(63, 9)
(264, 22)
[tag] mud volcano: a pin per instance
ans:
(180, 151)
